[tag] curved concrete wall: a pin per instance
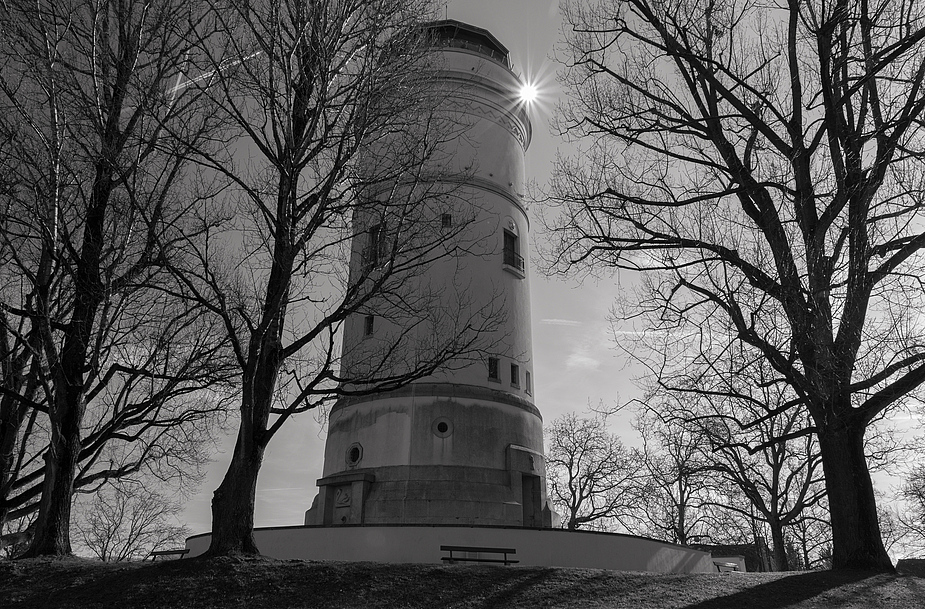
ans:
(455, 425)
(456, 454)
(534, 547)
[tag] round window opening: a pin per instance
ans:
(442, 427)
(354, 454)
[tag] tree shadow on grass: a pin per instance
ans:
(786, 591)
(257, 582)
(514, 589)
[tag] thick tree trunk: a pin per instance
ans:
(21, 373)
(52, 528)
(856, 540)
(53, 525)
(779, 553)
(233, 501)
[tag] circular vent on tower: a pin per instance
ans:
(354, 454)
(442, 427)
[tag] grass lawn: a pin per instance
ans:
(263, 582)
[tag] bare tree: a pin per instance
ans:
(97, 348)
(128, 520)
(16, 537)
(779, 479)
(773, 481)
(592, 477)
(779, 483)
(911, 519)
(335, 140)
(152, 420)
(675, 503)
(762, 166)
(812, 535)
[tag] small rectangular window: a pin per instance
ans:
(375, 246)
(493, 369)
(528, 382)
(515, 375)
(512, 255)
(370, 322)
(510, 242)
(446, 221)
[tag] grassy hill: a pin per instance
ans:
(262, 582)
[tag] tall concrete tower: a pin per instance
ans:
(463, 446)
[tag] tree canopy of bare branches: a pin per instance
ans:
(762, 165)
(104, 370)
(674, 504)
(592, 477)
(773, 485)
(911, 521)
(128, 520)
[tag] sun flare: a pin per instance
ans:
(528, 93)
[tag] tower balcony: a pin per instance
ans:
(513, 259)
(456, 34)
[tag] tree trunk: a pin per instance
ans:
(52, 529)
(807, 561)
(234, 500)
(53, 525)
(779, 555)
(856, 540)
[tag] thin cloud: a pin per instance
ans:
(582, 360)
(647, 333)
(560, 322)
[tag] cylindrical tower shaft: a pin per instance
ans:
(463, 445)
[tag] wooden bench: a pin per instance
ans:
(503, 551)
(180, 553)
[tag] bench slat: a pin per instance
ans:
(478, 549)
(497, 560)
(154, 554)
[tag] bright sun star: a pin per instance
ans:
(528, 93)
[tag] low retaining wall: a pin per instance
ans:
(421, 544)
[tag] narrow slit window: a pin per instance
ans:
(369, 325)
(529, 382)
(515, 375)
(446, 221)
(493, 367)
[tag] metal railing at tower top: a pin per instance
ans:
(512, 258)
(481, 49)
